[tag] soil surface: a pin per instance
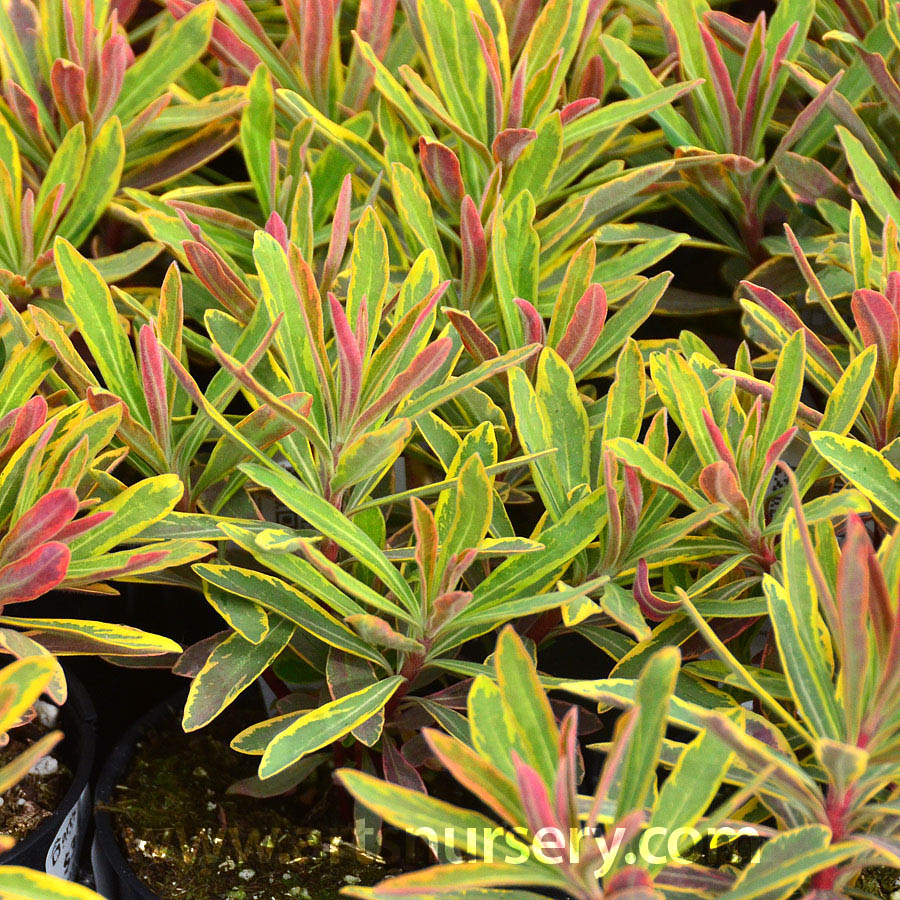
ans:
(881, 883)
(26, 805)
(185, 836)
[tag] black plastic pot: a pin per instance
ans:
(113, 875)
(56, 846)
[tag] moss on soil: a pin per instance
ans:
(187, 837)
(880, 883)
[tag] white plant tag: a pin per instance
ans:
(64, 853)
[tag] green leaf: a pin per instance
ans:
(688, 790)
(556, 31)
(492, 730)
(369, 274)
(350, 143)
(421, 279)
(455, 386)
(163, 63)
(17, 883)
(515, 252)
(626, 321)
(534, 432)
(562, 542)
(393, 91)
(231, 668)
(654, 469)
(23, 373)
(416, 215)
(371, 454)
(412, 810)
(677, 380)
(641, 83)
(533, 171)
(66, 169)
(289, 603)
(475, 880)
(878, 193)
(456, 64)
(134, 509)
(472, 513)
(786, 861)
(328, 521)
(23, 681)
(326, 724)
(567, 420)
(654, 689)
(865, 468)
(476, 773)
(244, 616)
(257, 134)
(626, 398)
(621, 112)
(619, 604)
(98, 185)
(88, 299)
(844, 402)
(794, 613)
(297, 336)
(788, 384)
(345, 675)
(527, 705)
(83, 636)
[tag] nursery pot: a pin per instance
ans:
(55, 846)
(114, 877)
(154, 759)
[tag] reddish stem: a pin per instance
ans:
(837, 808)
(410, 672)
(542, 626)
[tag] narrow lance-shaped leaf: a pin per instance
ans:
(153, 379)
(325, 725)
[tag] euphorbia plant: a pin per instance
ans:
(622, 843)
(382, 641)
(729, 448)
(856, 368)
(860, 39)
(569, 435)
(515, 146)
(309, 59)
(291, 175)
(832, 751)
(68, 65)
(500, 236)
(536, 162)
(500, 264)
(727, 122)
(63, 202)
(156, 423)
(576, 310)
(67, 523)
(82, 115)
(862, 355)
(369, 363)
(876, 474)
